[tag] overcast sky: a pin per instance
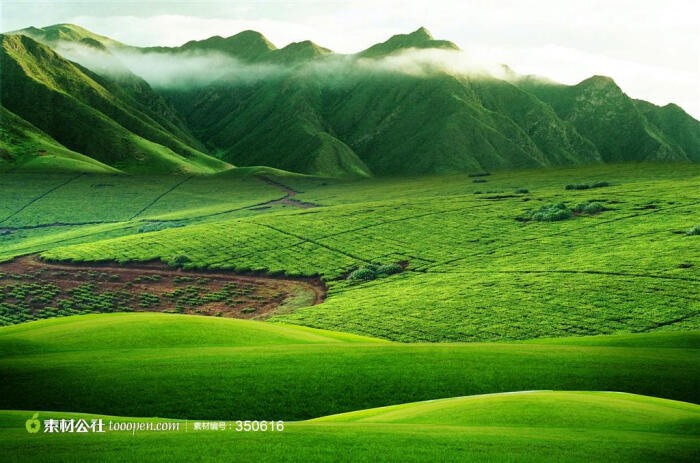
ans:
(651, 48)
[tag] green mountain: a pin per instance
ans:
(67, 32)
(94, 115)
(622, 129)
(390, 109)
(24, 147)
(418, 39)
(334, 115)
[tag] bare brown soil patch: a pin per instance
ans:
(32, 284)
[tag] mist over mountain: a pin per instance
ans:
(409, 105)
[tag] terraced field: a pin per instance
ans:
(477, 267)
(31, 289)
(375, 293)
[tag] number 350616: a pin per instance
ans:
(259, 426)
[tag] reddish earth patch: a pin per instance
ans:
(155, 287)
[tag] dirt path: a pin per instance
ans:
(288, 200)
(152, 286)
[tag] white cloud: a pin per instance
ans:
(651, 48)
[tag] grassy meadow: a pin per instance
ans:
(529, 426)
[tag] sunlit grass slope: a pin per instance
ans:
(197, 367)
(530, 426)
(477, 268)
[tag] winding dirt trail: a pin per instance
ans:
(288, 200)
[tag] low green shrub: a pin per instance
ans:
(389, 269)
(373, 271)
(363, 274)
(589, 207)
(577, 186)
(693, 231)
(585, 186)
(522, 191)
(180, 259)
(550, 213)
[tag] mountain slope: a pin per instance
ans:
(24, 147)
(380, 124)
(603, 113)
(89, 113)
(402, 106)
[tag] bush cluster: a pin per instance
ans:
(373, 271)
(560, 211)
(585, 186)
(694, 231)
(550, 213)
(589, 207)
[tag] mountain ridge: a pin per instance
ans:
(382, 111)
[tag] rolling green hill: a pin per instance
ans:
(530, 426)
(402, 106)
(91, 114)
(185, 366)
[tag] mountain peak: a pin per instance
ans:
(420, 38)
(69, 32)
(421, 33)
(248, 45)
(599, 80)
(300, 51)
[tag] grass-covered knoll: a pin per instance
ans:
(671, 339)
(149, 330)
(531, 426)
(196, 367)
(474, 270)
(556, 409)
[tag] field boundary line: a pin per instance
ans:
(160, 196)
(578, 229)
(574, 272)
(312, 242)
(41, 196)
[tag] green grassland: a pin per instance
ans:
(487, 300)
(534, 426)
(477, 267)
(183, 366)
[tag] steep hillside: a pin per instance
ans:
(403, 106)
(621, 128)
(350, 115)
(91, 114)
(24, 147)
